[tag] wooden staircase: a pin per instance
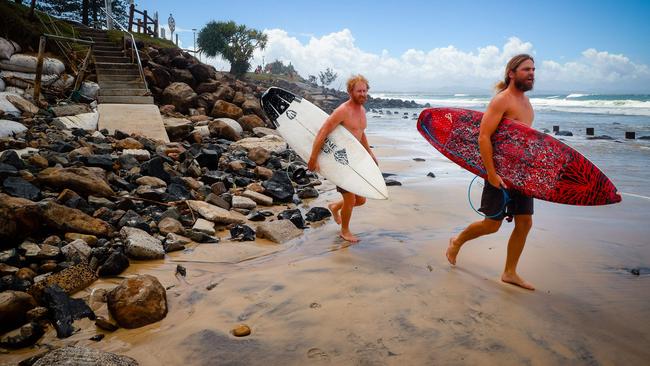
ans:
(118, 77)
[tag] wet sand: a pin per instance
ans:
(393, 299)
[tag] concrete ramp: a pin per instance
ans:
(140, 119)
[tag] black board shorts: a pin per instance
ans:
(492, 203)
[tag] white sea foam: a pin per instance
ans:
(570, 104)
(577, 95)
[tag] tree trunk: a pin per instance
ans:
(31, 9)
(94, 6)
(84, 12)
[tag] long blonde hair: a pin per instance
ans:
(512, 65)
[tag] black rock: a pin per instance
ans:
(242, 181)
(294, 216)
(119, 135)
(643, 138)
(62, 147)
(10, 257)
(25, 336)
(133, 219)
(256, 216)
(430, 174)
(181, 270)
(317, 214)
(10, 157)
(200, 237)
(242, 233)
(7, 170)
(279, 187)
(300, 176)
(128, 161)
(274, 163)
(635, 271)
(101, 253)
(154, 168)
(64, 310)
(120, 182)
(177, 190)
(116, 263)
(419, 159)
(97, 337)
(387, 174)
(100, 161)
(18, 187)
(308, 192)
(125, 204)
(11, 282)
(392, 182)
(601, 137)
(208, 159)
(79, 132)
(215, 176)
(564, 133)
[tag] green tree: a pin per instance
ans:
(327, 77)
(277, 67)
(77, 10)
(235, 43)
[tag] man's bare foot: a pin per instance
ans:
(514, 279)
(452, 251)
(336, 214)
(348, 236)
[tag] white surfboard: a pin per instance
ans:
(343, 160)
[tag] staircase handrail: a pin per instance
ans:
(134, 47)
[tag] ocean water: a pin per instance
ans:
(625, 161)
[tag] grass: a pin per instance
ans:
(116, 37)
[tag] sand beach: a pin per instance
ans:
(393, 299)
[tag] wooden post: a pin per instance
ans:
(556, 128)
(177, 39)
(590, 131)
(145, 30)
(131, 8)
(630, 135)
(84, 66)
(155, 25)
(139, 24)
(39, 69)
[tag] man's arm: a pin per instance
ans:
(328, 126)
(364, 142)
(491, 119)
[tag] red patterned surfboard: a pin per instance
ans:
(529, 161)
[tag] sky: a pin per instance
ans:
(598, 46)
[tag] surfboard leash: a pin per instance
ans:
(506, 199)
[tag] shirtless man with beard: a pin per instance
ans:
(352, 116)
(509, 102)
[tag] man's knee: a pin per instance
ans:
(523, 222)
(491, 226)
(349, 199)
(358, 200)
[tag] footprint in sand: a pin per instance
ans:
(318, 354)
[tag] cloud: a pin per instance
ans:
(600, 70)
(447, 68)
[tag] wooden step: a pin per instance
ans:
(128, 99)
(118, 78)
(133, 70)
(135, 84)
(112, 59)
(124, 92)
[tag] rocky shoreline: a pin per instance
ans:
(77, 204)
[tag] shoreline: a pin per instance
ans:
(392, 298)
